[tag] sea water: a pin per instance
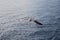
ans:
(14, 15)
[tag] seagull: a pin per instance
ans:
(35, 21)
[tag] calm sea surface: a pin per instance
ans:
(15, 26)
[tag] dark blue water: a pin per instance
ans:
(15, 26)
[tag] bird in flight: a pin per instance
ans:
(35, 21)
